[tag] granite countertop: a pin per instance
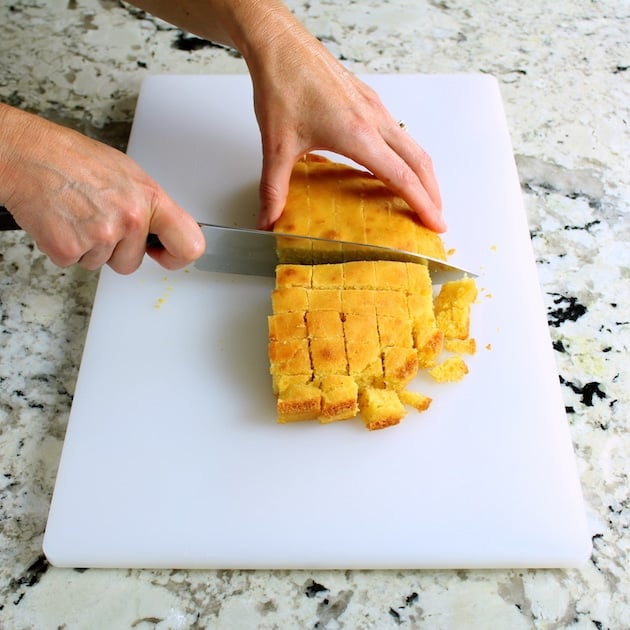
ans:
(564, 71)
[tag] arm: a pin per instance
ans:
(305, 100)
(85, 202)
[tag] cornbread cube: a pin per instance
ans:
(400, 366)
(289, 357)
(391, 304)
(328, 276)
(361, 329)
(380, 408)
(299, 402)
(289, 299)
(452, 307)
(419, 280)
(324, 324)
(285, 326)
(450, 370)
(360, 275)
(429, 343)
(328, 356)
(281, 381)
(394, 331)
(377, 224)
(391, 275)
(339, 398)
(404, 223)
(324, 300)
(421, 309)
(357, 301)
(364, 361)
(294, 276)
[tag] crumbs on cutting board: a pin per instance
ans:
(168, 289)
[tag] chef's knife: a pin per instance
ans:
(257, 252)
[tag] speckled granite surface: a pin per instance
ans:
(564, 69)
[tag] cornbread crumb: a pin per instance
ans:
(461, 346)
(419, 401)
(450, 370)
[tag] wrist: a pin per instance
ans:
(11, 130)
(261, 30)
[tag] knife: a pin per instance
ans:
(257, 252)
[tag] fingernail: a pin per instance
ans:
(440, 222)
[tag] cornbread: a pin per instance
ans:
(450, 370)
(380, 408)
(349, 331)
(349, 337)
(452, 307)
(336, 201)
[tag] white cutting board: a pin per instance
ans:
(173, 457)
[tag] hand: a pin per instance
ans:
(309, 101)
(306, 100)
(87, 203)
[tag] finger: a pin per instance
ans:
(179, 233)
(127, 256)
(95, 258)
(396, 174)
(418, 160)
(274, 187)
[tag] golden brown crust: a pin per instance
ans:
(298, 402)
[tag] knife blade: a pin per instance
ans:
(257, 252)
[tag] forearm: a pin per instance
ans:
(250, 26)
(19, 133)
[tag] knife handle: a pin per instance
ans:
(7, 222)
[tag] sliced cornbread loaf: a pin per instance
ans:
(349, 337)
(341, 330)
(335, 201)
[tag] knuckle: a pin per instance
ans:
(125, 268)
(62, 256)
(135, 217)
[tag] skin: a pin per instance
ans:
(87, 203)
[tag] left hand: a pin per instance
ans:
(307, 100)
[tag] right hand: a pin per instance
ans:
(87, 203)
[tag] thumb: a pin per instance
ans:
(274, 188)
(181, 237)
